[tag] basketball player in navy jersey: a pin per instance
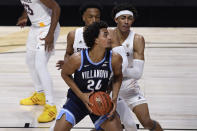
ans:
(124, 15)
(92, 70)
(90, 13)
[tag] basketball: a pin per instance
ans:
(101, 103)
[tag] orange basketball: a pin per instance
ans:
(102, 103)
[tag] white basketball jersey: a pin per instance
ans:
(79, 42)
(128, 46)
(38, 13)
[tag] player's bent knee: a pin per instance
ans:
(112, 125)
(62, 124)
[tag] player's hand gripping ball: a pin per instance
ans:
(101, 103)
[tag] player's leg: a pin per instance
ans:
(112, 125)
(38, 97)
(142, 113)
(41, 67)
(42, 58)
(62, 124)
(137, 103)
(50, 111)
(30, 60)
(70, 115)
(125, 115)
(103, 123)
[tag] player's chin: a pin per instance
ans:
(125, 29)
(108, 45)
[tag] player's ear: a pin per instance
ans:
(96, 41)
(133, 20)
(83, 17)
(116, 20)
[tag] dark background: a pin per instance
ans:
(152, 13)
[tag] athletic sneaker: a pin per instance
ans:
(35, 99)
(49, 114)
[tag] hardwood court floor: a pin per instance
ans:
(169, 81)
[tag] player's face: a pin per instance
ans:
(104, 39)
(124, 22)
(91, 15)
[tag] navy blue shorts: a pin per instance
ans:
(75, 111)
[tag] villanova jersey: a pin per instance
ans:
(92, 76)
(38, 13)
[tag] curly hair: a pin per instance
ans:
(90, 4)
(124, 6)
(92, 32)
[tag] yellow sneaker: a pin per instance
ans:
(35, 99)
(49, 114)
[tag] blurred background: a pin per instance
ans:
(152, 13)
(169, 79)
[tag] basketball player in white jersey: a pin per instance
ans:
(90, 13)
(134, 44)
(44, 31)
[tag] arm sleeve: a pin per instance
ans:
(136, 71)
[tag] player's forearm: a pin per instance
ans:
(54, 18)
(136, 71)
(116, 86)
(66, 56)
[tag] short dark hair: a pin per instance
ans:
(124, 6)
(90, 4)
(92, 32)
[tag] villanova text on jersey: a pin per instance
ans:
(95, 74)
(92, 76)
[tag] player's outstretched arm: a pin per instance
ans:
(51, 4)
(138, 59)
(117, 71)
(70, 42)
(69, 49)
